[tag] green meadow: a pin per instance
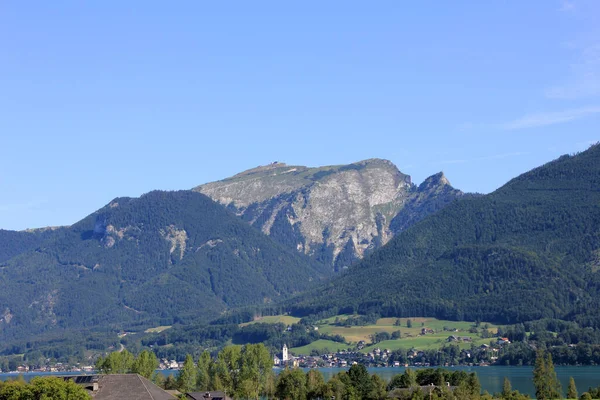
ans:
(320, 345)
(410, 337)
(274, 319)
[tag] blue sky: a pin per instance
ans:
(112, 98)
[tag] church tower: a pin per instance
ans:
(284, 356)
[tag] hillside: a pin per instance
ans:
(334, 214)
(529, 250)
(13, 243)
(160, 258)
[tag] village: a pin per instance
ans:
(482, 355)
(485, 354)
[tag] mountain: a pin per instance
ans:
(334, 214)
(160, 258)
(13, 243)
(529, 250)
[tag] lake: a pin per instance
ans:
(491, 378)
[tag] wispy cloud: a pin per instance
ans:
(584, 78)
(550, 118)
(567, 5)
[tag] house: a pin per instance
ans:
(455, 338)
(503, 340)
(120, 387)
(207, 396)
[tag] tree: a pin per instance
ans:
(360, 380)
(15, 390)
(315, 384)
(56, 389)
(117, 362)
(255, 361)
(506, 389)
(186, 379)
(336, 388)
(378, 390)
(229, 367)
(404, 380)
(203, 377)
(46, 388)
(145, 364)
(291, 385)
(572, 390)
(270, 385)
(545, 381)
(473, 384)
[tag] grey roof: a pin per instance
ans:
(128, 387)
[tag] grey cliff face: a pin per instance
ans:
(335, 214)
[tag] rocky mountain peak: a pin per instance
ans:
(435, 180)
(335, 214)
(272, 167)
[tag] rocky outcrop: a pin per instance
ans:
(335, 214)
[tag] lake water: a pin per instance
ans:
(491, 378)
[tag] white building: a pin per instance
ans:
(284, 355)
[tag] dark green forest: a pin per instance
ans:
(13, 243)
(527, 251)
(163, 258)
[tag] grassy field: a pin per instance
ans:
(274, 319)
(358, 333)
(411, 337)
(425, 342)
(321, 345)
(157, 329)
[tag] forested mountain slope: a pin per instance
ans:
(13, 243)
(335, 214)
(165, 256)
(529, 250)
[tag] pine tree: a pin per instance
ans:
(186, 379)
(203, 377)
(506, 389)
(572, 390)
(545, 381)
